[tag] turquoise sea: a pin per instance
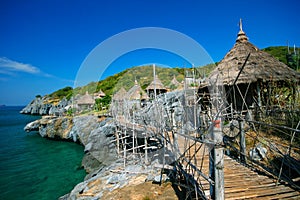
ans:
(32, 167)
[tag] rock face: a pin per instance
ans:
(94, 135)
(106, 171)
(39, 107)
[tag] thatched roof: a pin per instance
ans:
(260, 65)
(86, 100)
(156, 84)
(120, 95)
(174, 81)
(136, 93)
(99, 94)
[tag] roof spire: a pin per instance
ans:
(241, 35)
(241, 25)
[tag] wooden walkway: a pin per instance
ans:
(241, 182)
(244, 183)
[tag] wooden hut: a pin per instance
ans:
(252, 77)
(120, 95)
(175, 85)
(85, 102)
(99, 95)
(157, 87)
(136, 96)
(118, 102)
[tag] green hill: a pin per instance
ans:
(126, 79)
(144, 76)
(281, 53)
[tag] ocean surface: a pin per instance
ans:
(32, 167)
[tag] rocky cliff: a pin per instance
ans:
(42, 106)
(95, 135)
(106, 171)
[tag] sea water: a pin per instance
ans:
(32, 167)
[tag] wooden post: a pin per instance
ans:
(243, 158)
(118, 143)
(124, 148)
(146, 149)
(217, 154)
(216, 162)
(258, 100)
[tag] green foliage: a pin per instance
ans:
(103, 102)
(64, 92)
(71, 111)
(281, 53)
(38, 96)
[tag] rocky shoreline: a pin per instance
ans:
(105, 171)
(100, 160)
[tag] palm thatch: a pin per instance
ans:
(260, 65)
(99, 94)
(120, 95)
(86, 99)
(174, 81)
(136, 93)
(156, 84)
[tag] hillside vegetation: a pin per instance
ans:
(126, 79)
(281, 53)
(144, 76)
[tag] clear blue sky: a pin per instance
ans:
(43, 43)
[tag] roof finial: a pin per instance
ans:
(241, 35)
(241, 24)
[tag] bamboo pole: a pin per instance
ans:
(243, 158)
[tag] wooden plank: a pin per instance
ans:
(261, 192)
(286, 195)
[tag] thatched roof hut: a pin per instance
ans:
(252, 77)
(157, 86)
(175, 84)
(99, 94)
(86, 99)
(260, 65)
(136, 93)
(120, 95)
(174, 81)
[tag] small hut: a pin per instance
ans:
(85, 102)
(99, 95)
(252, 77)
(117, 105)
(175, 85)
(136, 96)
(156, 87)
(120, 95)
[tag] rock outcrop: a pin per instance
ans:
(93, 134)
(41, 106)
(107, 172)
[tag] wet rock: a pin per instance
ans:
(32, 126)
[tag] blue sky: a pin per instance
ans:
(44, 43)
